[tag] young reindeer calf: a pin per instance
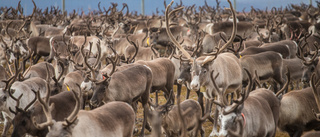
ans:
(171, 119)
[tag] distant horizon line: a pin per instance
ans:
(149, 9)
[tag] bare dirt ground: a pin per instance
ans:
(207, 125)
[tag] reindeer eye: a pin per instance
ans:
(204, 71)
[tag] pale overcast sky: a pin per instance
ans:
(150, 5)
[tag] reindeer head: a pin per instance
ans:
(310, 64)
(230, 114)
(101, 87)
(153, 36)
(23, 122)
(60, 128)
(199, 74)
(185, 69)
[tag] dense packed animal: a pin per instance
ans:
(76, 74)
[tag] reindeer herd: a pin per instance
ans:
(255, 73)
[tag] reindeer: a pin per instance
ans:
(76, 124)
(163, 70)
(23, 90)
(266, 66)
(24, 119)
(112, 89)
(292, 45)
(39, 46)
(195, 86)
(304, 103)
(257, 112)
(296, 68)
(244, 28)
(287, 51)
(310, 64)
(137, 52)
(16, 49)
(55, 31)
(210, 42)
(161, 39)
(39, 70)
(85, 41)
(169, 114)
(18, 44)
(204, 64)
(314, 84)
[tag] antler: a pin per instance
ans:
(34, 9)
(73, 116)
(222, 102)
(234, 31)
(47, 111)
(34, 100)
(176, 43)
(45, 106)
(96, 64)
(135, 46)
(6, 30)
(285, 87)
(243, 97)
(239, 131)
(17, 102)
(300, 53)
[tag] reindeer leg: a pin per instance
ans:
(179, 86)
(214, 131)
(208, 109)
(36, 59)
(200, 100)
(297, 133)
(188, 93)
(297, 84)
(202, 131)
(157, 98)
(145, 113)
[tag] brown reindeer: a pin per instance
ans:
(256, 111)
(76, 124)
